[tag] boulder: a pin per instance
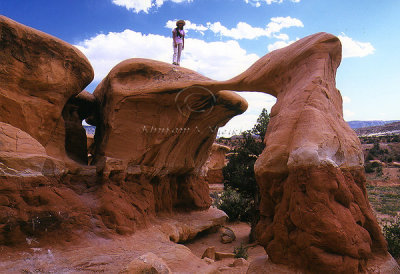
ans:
(23, 156)
(239, 262)
(147, 263)
(215, 163)
(223, 255)
(227, 235)
(183, 227)
(39, 74)
(209, 253)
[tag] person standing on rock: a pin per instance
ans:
(178, 37)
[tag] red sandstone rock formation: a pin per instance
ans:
(315, 214)
(215, 163)
(155, 126)
(40, 186)
(78, 108)
(39, 74)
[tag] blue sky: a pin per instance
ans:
(224, 37)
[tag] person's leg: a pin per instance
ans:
(178, 59)
(174, 58)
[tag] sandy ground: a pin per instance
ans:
(94, 254)
(390, 177)
(242, 231)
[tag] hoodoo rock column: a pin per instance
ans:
(315, 214)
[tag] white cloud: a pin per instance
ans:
(216, 60)
(352, 48)
(243, 30)
(279, 45)
(188, 26)
(136, 5)
(246, 31)
(143, 5)
(346, 99)
(281, 36)
(257, 3)
(104, 51)
(348, 114)
(257, 101)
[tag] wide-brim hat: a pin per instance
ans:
(180, 22)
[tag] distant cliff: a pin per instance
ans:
(362, 124)
(386, 129)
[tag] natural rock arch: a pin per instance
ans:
(314, 209)
(315, 215)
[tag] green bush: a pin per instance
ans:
(369, 168)
(379, 171)
(241, 252)
(234, 205)
(391, 230)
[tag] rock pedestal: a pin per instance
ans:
(157, 124)
(315, 214)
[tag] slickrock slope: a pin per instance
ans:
(39, 74)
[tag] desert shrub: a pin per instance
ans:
(237, 207)
(373, 167)
(241, 252)
(369, 156)
(384, 199)
(375, 164)
(391, 230)
(239, 172)
(379, 170)
(368, 168)
(395, 139)
(240, 199)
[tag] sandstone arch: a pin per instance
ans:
(311, 172)
(315, 215)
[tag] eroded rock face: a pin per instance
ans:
(315, 214)
(77, 109)
(155, 126)
(39, 184)
(159, 121)
(38, 74)
(215, 163)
